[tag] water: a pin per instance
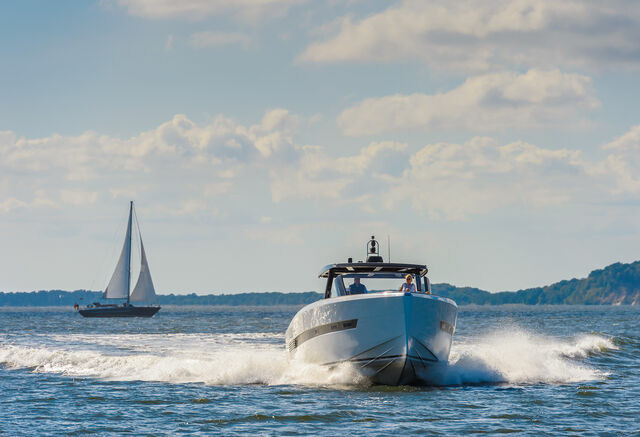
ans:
(212, 370)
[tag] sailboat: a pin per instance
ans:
(120, 285)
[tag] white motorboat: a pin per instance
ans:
(391, 337)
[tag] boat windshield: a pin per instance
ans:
(361, 283)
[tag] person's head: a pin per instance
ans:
(356, 280)
(409, 279)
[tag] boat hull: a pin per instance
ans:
(391, 338)
(128, 311)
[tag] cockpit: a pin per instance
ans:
(365, 283)
(372, 276)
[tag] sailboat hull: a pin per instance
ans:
(128, 311)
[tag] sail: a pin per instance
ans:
(143, 291)
(118, 287)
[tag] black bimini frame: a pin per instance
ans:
(333, 270)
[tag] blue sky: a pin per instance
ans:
(498, 142)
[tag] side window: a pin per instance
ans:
(338, 287)
(427, 285)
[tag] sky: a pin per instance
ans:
(496, 141)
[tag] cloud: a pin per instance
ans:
(489, 102)
(10, 204)
(318, 175)
(214, 39)
(187, 169)
(623, 161)
(182, 163)
(629, 142)
(474, 36)
(454, 181)
(252, 10)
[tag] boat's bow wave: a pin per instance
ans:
(517, 357)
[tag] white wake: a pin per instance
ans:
(516, 357)
(520, 357)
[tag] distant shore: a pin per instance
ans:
(617, 284)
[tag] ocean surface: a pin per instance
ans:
(555, 370)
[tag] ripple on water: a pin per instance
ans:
(201, 401)
(301, 418)
(160, 387)
(511, 416)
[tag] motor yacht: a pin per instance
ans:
(391, 337)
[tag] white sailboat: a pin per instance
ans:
(120, 285)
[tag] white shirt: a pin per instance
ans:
(409, 287)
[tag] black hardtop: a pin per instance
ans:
(376, 267)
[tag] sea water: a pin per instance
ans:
(223, 370)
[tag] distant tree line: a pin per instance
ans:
(49, 298)
(617, 284)
(83, 297)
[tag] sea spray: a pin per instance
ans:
(232, 366)
(520, 357)
(512, 356)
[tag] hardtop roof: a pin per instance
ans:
(360, 267)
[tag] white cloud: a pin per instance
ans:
(471, 35)
(252, 10)
(178, 160)
(201, 170)
(216, 39)
(623, 161)
(317, 175)
(628, 142)
(490, 102)
(10, 204)
(455, 181)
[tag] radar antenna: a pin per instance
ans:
(373, 251)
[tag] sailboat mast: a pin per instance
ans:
(129, 271)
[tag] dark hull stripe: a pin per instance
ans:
(320, 330)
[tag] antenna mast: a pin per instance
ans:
(388, 248)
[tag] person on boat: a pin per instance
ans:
(357, 287)
(408, 286)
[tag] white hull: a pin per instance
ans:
(393, 338)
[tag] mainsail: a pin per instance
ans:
(143, 291)
(118, 287)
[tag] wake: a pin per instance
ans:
(520, 357)
(517, 357)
